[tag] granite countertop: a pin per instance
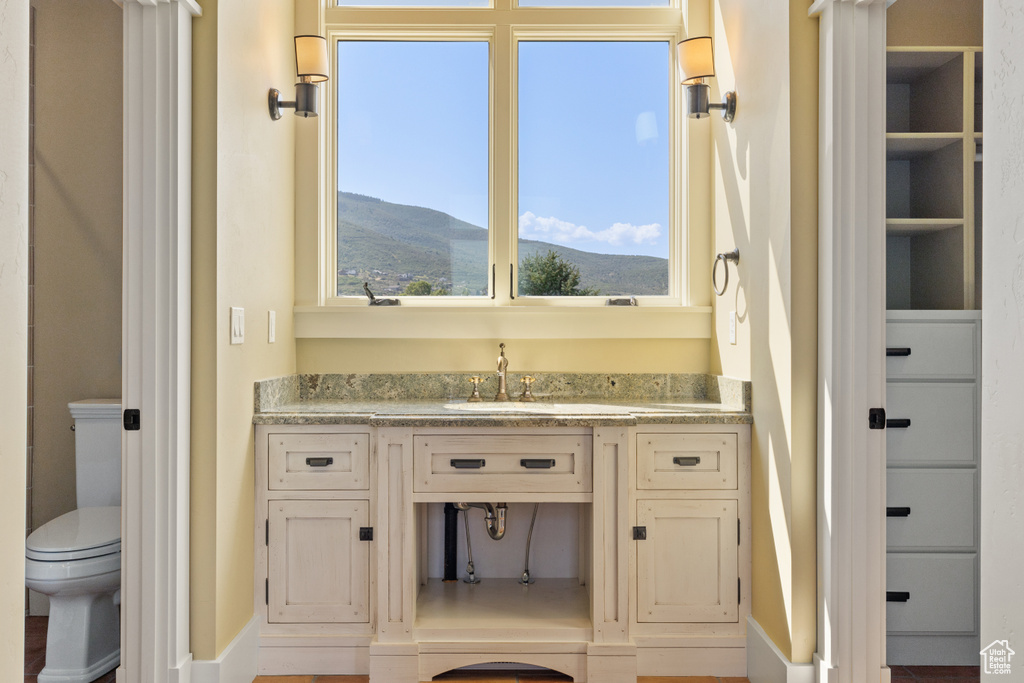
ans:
(562, 400)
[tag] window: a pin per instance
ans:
(505, 155)
(412, 167)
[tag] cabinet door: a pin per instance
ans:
(318, 568)
(687, 567)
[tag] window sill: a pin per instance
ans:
(492, 322)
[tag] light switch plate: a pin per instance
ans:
(732, 327)
(237, 325)
(271, 326)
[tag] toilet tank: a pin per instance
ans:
(97, 451)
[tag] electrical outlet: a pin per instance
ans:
(237, 325)
(732, 327)
(271, 327)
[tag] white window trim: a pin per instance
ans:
(684, 313)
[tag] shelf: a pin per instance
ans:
(917, 226)
(504, 609)
(926, 185)
(912, 145)
(924, 91)
(906, 65)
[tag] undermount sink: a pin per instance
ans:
(520, 407)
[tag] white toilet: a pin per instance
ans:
(76, 558)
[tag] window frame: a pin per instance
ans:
(504, 25)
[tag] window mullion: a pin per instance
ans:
(503, 176)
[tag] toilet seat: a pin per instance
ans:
(77, 535)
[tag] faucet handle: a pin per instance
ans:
(527, 396)
(475, 396)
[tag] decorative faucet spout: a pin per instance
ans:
(502, 394)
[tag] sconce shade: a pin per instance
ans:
(311, 58)
(696, 60)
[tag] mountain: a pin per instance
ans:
(391, 245)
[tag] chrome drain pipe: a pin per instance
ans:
(494, 517)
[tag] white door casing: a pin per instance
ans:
(851, 341)
(156, 340)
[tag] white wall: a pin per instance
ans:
(14, 330)
(1002, 440)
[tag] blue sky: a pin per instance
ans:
(593, 154)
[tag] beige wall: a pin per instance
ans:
(77, 300)
(765, 204)
(14, 265)
(934, 22)
(243, 218)
(525, 355)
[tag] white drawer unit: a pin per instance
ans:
(931, 423)
(930, 349)
(932, 410)
(691, 461)
(931, 593)
(931, 508)
(313, 461)
(499, 463)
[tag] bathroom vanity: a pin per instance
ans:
(649, 498)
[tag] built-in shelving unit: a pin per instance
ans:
(933, 126)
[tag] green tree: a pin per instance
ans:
(418, 288)
(550, 275)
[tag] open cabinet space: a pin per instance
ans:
(933, 339)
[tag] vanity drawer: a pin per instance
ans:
(937, 350)
(942, 423)
(319, 461)
(929, 593)
(500, 463)
(930, 508)
(686, 461)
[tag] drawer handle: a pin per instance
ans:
(690, 461)
(537, 463)
(897, 424)
(897, 596)
(897, 512)
(897, 351)
(319, 462)
(468, 463)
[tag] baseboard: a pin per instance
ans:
(236, 664)
(767, 664)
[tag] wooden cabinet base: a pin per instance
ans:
(347, 578)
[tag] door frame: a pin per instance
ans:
(851, 341)
(156, 340)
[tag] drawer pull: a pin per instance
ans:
(689, 461)
(468, 463)
(319, 462)
(897, 596)
(897, 351)
(897, 424)
(897, 512)
(537, 463)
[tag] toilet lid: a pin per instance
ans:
(82, 533)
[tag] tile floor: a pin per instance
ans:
(935, 674)
(35, 650)
(480, 676)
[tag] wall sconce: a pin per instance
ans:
(697, 62)
(311, 68)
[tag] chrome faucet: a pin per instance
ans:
(502, 394)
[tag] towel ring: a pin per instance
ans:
(733, 256)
